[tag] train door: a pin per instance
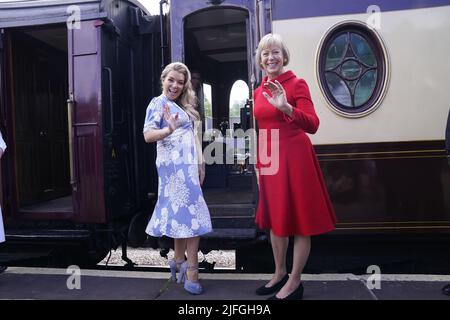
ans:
(85, 122)
(53, 116)
(36, 120)
(218, 41)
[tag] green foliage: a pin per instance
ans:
(208, 108)
(236, 107)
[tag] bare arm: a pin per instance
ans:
(153, 135)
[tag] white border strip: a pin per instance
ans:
(230, 276)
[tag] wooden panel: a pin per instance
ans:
(25, 169)
(86, 81)
(88, 183)
(85, 88)
(384, 186)
(40, 90)
(85, 39)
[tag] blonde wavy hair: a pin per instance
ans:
(187, 99)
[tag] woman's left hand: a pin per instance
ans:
(278, 98)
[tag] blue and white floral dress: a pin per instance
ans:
(181, 210)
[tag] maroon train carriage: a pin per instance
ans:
(77, 172)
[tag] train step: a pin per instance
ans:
(233, 209)
(60, 234)
(14, 257)
(231, 234)
(233, 222)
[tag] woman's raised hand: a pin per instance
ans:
(172, 120)
(278, 98)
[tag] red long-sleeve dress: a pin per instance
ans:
(293, 199)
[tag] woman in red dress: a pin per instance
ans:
(293, 199)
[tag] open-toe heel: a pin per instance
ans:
(191, 286)
(174, 267)
(182, 275)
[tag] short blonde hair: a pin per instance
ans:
(269, 40)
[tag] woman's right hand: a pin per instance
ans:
(172, 120)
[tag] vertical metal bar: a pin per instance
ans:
(111, 103)
(161, 21)
(70, 103)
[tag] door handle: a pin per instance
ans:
(70, 104)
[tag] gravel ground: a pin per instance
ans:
(151, 257)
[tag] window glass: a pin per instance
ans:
(207, 103)
(352, 68)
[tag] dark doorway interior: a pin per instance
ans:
(216, 46)
(39, 64)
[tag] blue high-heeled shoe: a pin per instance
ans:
(174, 266)
(191, 286)
(183, 270)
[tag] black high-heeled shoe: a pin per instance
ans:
(263, 290)
(3, 268)
(297, 294)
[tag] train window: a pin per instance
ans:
(238, 96)
(352, 69)
(208, 106)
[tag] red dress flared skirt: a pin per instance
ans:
(295, 201)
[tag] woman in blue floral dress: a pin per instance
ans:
(181, 211)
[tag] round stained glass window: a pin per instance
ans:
(352, 69)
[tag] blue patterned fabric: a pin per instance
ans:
(181, 210)
(2, 231)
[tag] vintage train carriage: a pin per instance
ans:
(377, 75)
(76, 77)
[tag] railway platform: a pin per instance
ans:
(25, 283)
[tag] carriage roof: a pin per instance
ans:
(38, 12)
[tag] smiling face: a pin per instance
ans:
(173, 85)
(272, 61)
